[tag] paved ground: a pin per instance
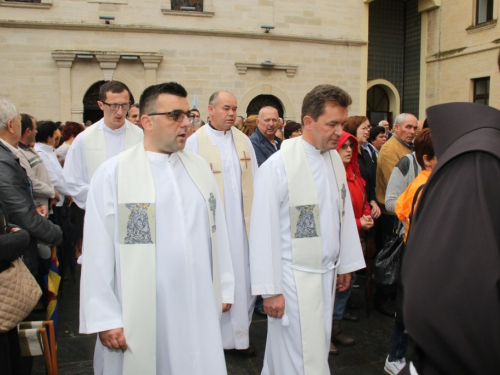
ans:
(373, 336)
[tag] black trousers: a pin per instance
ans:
(10, 353)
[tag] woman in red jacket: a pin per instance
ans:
(348, 151)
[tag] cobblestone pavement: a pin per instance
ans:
(373, 338)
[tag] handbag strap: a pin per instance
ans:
(415, 169)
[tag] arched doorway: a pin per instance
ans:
(263, 101)
(378, 105)
(91, 111)
(382, 101)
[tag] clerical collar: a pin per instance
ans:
(310, 148)
(161, 157)
(118, 131)
(219, 132)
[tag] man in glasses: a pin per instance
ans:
(232, 158)
(99, 142)
(157, 271)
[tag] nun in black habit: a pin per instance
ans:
(451, 266)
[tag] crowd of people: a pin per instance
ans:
(184, 228)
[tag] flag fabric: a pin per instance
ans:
(53, 280)
(194, 106)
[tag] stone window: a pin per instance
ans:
(484, 11)
(481, 88)
(185, 4)
(38, 4)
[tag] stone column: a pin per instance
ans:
(108, 64)
(64, 62)
(150, 66)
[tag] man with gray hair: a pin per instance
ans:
(232, 159)
(400, 144)
(16, 188)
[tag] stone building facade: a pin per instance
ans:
(390, 55)
(55, 51)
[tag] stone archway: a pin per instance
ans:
(383, 101)
(266, 89)
(263, 101)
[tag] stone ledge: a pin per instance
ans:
(45, 4)
(179, 31)
(170, 12)
(108, 1)
(290, 69)
(482, 26)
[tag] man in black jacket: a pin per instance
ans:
(264, 141)
(15, 188)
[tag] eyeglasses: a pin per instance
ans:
(115, 106)
(176, 115)
(345, 146)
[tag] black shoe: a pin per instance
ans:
(248, 352)
(260, 311)
(385, 309)
(350, 317)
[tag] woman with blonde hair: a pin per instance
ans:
(249, 125)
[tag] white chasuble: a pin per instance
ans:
(152, 272)
(232, 159)
(296, 242)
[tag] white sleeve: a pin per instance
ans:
(266, 273)
(75, 172)
(100, 308)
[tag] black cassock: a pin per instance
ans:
(451, 266)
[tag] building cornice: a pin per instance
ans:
(166, 30)
(464, 51)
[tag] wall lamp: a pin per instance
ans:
(267, 63)
(107, 18)
(267, 28)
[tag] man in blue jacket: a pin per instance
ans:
(264, 140)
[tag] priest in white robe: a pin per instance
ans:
(157, 272)
(100, 141)
(304, 239)
(232, 159)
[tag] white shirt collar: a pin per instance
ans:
(44, 147)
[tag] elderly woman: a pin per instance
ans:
(348, 151)
(426, 159)
(249, 125)
(378, 137)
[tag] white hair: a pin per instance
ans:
(380, 122)
(401, 118)
(8, 112)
